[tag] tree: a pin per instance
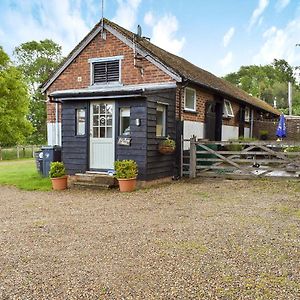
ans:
(268, 82)
(37, 61)
(14, 101)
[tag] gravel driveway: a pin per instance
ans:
(200, 239)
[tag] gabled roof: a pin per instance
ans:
(176, 64)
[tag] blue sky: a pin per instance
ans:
(216, 35)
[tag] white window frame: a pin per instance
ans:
(227, 109)
(247, 114)
(164, 125)
(123, 109)
(78, 132)
(195, 99)
(105, 59)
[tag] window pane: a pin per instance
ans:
(161, 120)
(80, 121)
(190, 99)
(125, 121)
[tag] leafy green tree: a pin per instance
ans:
(268, 82)
(14, 101)
(37, 60)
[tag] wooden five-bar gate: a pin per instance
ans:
(241, 159)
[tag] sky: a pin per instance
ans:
(216, 35)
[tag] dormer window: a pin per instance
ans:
(106, 70)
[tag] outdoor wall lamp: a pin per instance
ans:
(138, 122)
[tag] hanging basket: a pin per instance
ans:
(163, 149)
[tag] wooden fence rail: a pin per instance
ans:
(252, 159)
(18, 152)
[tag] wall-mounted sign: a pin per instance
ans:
(124, 141)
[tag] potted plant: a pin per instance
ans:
(126, 173)
(58, 175)
(167, 146)
(263, 134)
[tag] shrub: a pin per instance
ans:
(292, 149)
(57, 169)
(126, 169)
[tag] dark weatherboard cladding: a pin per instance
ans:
(143, 140)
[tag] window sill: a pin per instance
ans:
(190, 111)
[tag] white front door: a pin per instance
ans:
(102, 144)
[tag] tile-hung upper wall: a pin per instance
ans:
(77, 74)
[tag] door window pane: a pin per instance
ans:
(109, 132)
(125, 121)
(95, 132)
(102, 121)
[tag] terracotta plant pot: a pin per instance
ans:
(127, 185)
(165, 149)
(59, 183)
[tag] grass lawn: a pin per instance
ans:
(23, 175)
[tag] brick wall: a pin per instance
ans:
(201, 98)
(292, 128)
(112, 46)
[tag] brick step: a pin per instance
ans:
(91, 185)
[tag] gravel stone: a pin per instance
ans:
(193, 239)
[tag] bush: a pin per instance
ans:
(292, 149)
(57, 169)
(235, 146)
(126, 169)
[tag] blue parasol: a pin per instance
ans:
(281, 128)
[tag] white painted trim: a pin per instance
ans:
(191, 128)
(122, 38)
(101, 59)
(53, 135)
(229, 132)
(114, 88)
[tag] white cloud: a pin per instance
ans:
(228, 36)
(257, 13)
(37, 20)
(227, 60)
(126, 13)
(282, 4)
(280, 43)
(163, 34)
(149, 18)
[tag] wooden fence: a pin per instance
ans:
(18, 152)
(241, 159)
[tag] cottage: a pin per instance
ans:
(117, 95)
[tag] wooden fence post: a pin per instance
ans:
(193, 158)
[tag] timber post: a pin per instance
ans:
(193, 158)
